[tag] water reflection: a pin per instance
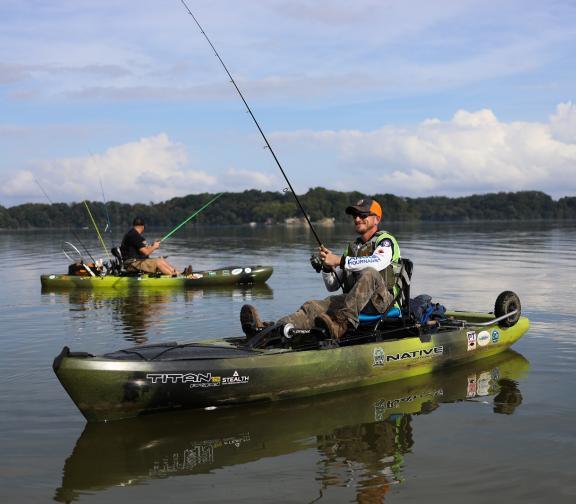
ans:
(135, 312)
(360, 436)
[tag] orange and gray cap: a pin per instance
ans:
(366, 206)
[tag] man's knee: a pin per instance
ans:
(310, 306)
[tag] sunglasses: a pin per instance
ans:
(362, 216)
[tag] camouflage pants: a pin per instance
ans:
(369, 289)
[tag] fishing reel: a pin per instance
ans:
(318, 264)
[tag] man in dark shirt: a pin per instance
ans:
(136, 252)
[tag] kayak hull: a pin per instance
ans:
(233, 275)
(213, 373)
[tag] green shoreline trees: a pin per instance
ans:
(275, 207)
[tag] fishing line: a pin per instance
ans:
(45, 193)
(255, 122)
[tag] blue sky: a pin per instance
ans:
(412, 97)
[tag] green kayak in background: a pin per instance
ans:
(231, 275)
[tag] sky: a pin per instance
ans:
(126, 101)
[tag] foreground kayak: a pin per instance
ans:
(202, 374)
(377, 419)
(232, 275)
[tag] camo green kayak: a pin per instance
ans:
(205, 374)
(232, 275)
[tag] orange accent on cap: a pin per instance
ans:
(376, 209)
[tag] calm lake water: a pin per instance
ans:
(432, 439)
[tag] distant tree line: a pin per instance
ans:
(274, 207)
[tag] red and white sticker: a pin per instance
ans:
(471, 340)
(472, 383)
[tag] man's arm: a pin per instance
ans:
(147, 251)
(380, 260)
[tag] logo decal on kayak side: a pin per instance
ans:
(380, 357)
(495, 336)
(196, 380)
(235, 379)
(483, 338)
(471, 340)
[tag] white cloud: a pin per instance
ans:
(151, 169)
(563, 123)
(237, 180)
(472, 152)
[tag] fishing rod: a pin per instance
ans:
(108, 225)
(255, 122)
(73, 232)
(191, 217)
(97, 230)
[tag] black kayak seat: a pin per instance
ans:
(116, 253)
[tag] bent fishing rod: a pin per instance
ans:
(206, 205)
(255, 122)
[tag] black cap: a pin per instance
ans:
(366, 206)
(138, 221)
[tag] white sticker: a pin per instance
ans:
(236, 271)
(483, 338)
(247, 270)
(51, 277)
(483, 383)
